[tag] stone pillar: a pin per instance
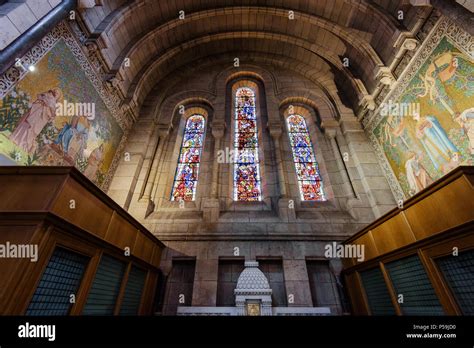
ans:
(297, 283)
(286, 208)
(211, 205)
(218, 129)
(205, 283)
(376, 191)
(331, 134)
(163, 132)
(275, 130)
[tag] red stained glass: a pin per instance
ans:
(311, 190)
(187, 171)
(246, 167)
(307, 172)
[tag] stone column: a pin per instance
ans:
(331, 135)
(286, 208)
(275, 132)
(211, 205)
(163, 131)
(297, 286)
(205, 283)
(368, 173)
(218, 129)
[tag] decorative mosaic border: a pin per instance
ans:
(444, 28)
(14, 74)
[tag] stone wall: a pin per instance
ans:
(282, 225)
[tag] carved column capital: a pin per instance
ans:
(368, 102)
(275, 129)
(330, 132)
(218, 129)
(164, 130)
(385, 76)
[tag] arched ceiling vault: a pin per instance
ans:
(322, 82)
(157, 42)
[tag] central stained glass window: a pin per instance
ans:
(307, 171)
(246, 167)
(186, 178)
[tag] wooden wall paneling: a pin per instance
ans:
(56, 239)
(450, 206)
(143, 248)
(370, 247)
(86, 283)
(39, 191)
(393, 234)
(121, 233)
(445, 297)
(90, 213)
(362, 294)
(29, 273)
(149, 289)
(157, 252)
(14, 233)
(445, 248)
(391, 289)
(123, 285)
(356, 294)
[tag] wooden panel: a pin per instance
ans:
(157, 255)
(143, 248)
(148, 296)
(450, 206)
(90, 213)
(14, 235)
(347, 262)
(393, 234)
(370, 248)
(39, 190)
(120, 233)
(356, 294)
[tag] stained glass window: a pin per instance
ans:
(307, 171)
(186, 177)
(246, 166)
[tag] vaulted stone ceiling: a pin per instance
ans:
(312, 40)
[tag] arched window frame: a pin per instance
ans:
(189, 158)
(305, 164)
(247, 155)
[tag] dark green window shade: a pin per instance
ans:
(60, 280)
(410, 280)
(377, 292)
(133, 292)
(459, 273)
(105, 288)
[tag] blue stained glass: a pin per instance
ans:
(246, 168)
(192, 139)
(187, 171)
(303, 154)
(300, 140)
(307, 172)
(249, 155)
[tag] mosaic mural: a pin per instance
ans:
(54, 116)
(428, 129)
